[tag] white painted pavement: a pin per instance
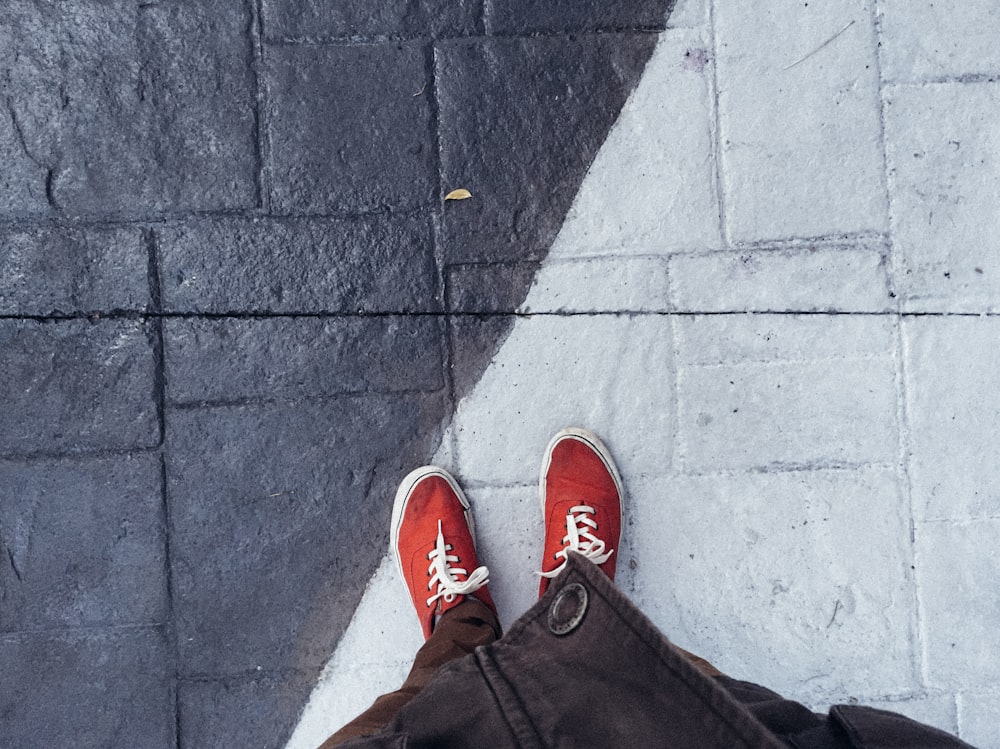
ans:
(770, 299)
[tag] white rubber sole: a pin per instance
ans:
(593, 441)
(403, 494)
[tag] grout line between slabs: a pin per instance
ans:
(905, 474)
(901, 355)
(717, 137)
(894, 269)
(261, 116)
(677, 451)
(117, 315)
(172, 637)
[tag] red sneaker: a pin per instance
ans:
(433, 539)
(582, 501)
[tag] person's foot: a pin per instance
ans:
(582, 501)
(433, 539)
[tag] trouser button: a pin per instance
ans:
(568, 609)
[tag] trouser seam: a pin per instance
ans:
(508, 702)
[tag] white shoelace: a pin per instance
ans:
(580, 529)
(443, 575)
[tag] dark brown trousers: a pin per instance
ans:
(459, 631)
(583, 667)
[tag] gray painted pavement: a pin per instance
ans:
(774, 295)
(234, 312)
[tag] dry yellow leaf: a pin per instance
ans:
(460, 194)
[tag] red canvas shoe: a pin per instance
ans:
(582, 501)
(434, 541)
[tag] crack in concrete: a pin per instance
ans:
(22, 140)
(13, 564)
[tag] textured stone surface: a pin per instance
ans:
(488, 287)
(747, 410)
(230, 360)
(610, 361)
(688, 14)
(344, 142)
(939, 39)
(943, 176)
(525, 16)
(723, 340)
(355, 19)
(666, 199)
(978, 725)
(114, 570)
(76, 385)
(474, 341)
(521, 120)
(784, 593)
(122, 108)
(954, 414)
(277, 513)
(87, 689)
(600, 285)
(809, 563)
(957, 568)
(800, 129)
(63, 271)
(938, 710)
(214, 712)
(810, 279)
(378, 264)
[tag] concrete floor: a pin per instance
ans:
(753, 246)
(775, 297)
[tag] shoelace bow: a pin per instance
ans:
(443, 575)
(580, 529)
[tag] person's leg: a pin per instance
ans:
(700, 663)
(458, 632)
(433, 543)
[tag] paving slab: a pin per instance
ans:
(296, 491)
(556, 371)
(65, 271)
(978, 721)
(114, 573)
(936, 709)
(601, 284)
(350, 265)
(316, 19)
(219, 360)
(76, 385)
(514, 128)
(122, 109)
(799, 119)
(957, 566)
(88, 689)
(340, 142)
(687, 14)
(924, 41)
(813, 278)
(213, 712)
(770, 547)
(668, 197)
(525, 17)
(472, 288)
(762, 392)
(954, 415)
(943, 178)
